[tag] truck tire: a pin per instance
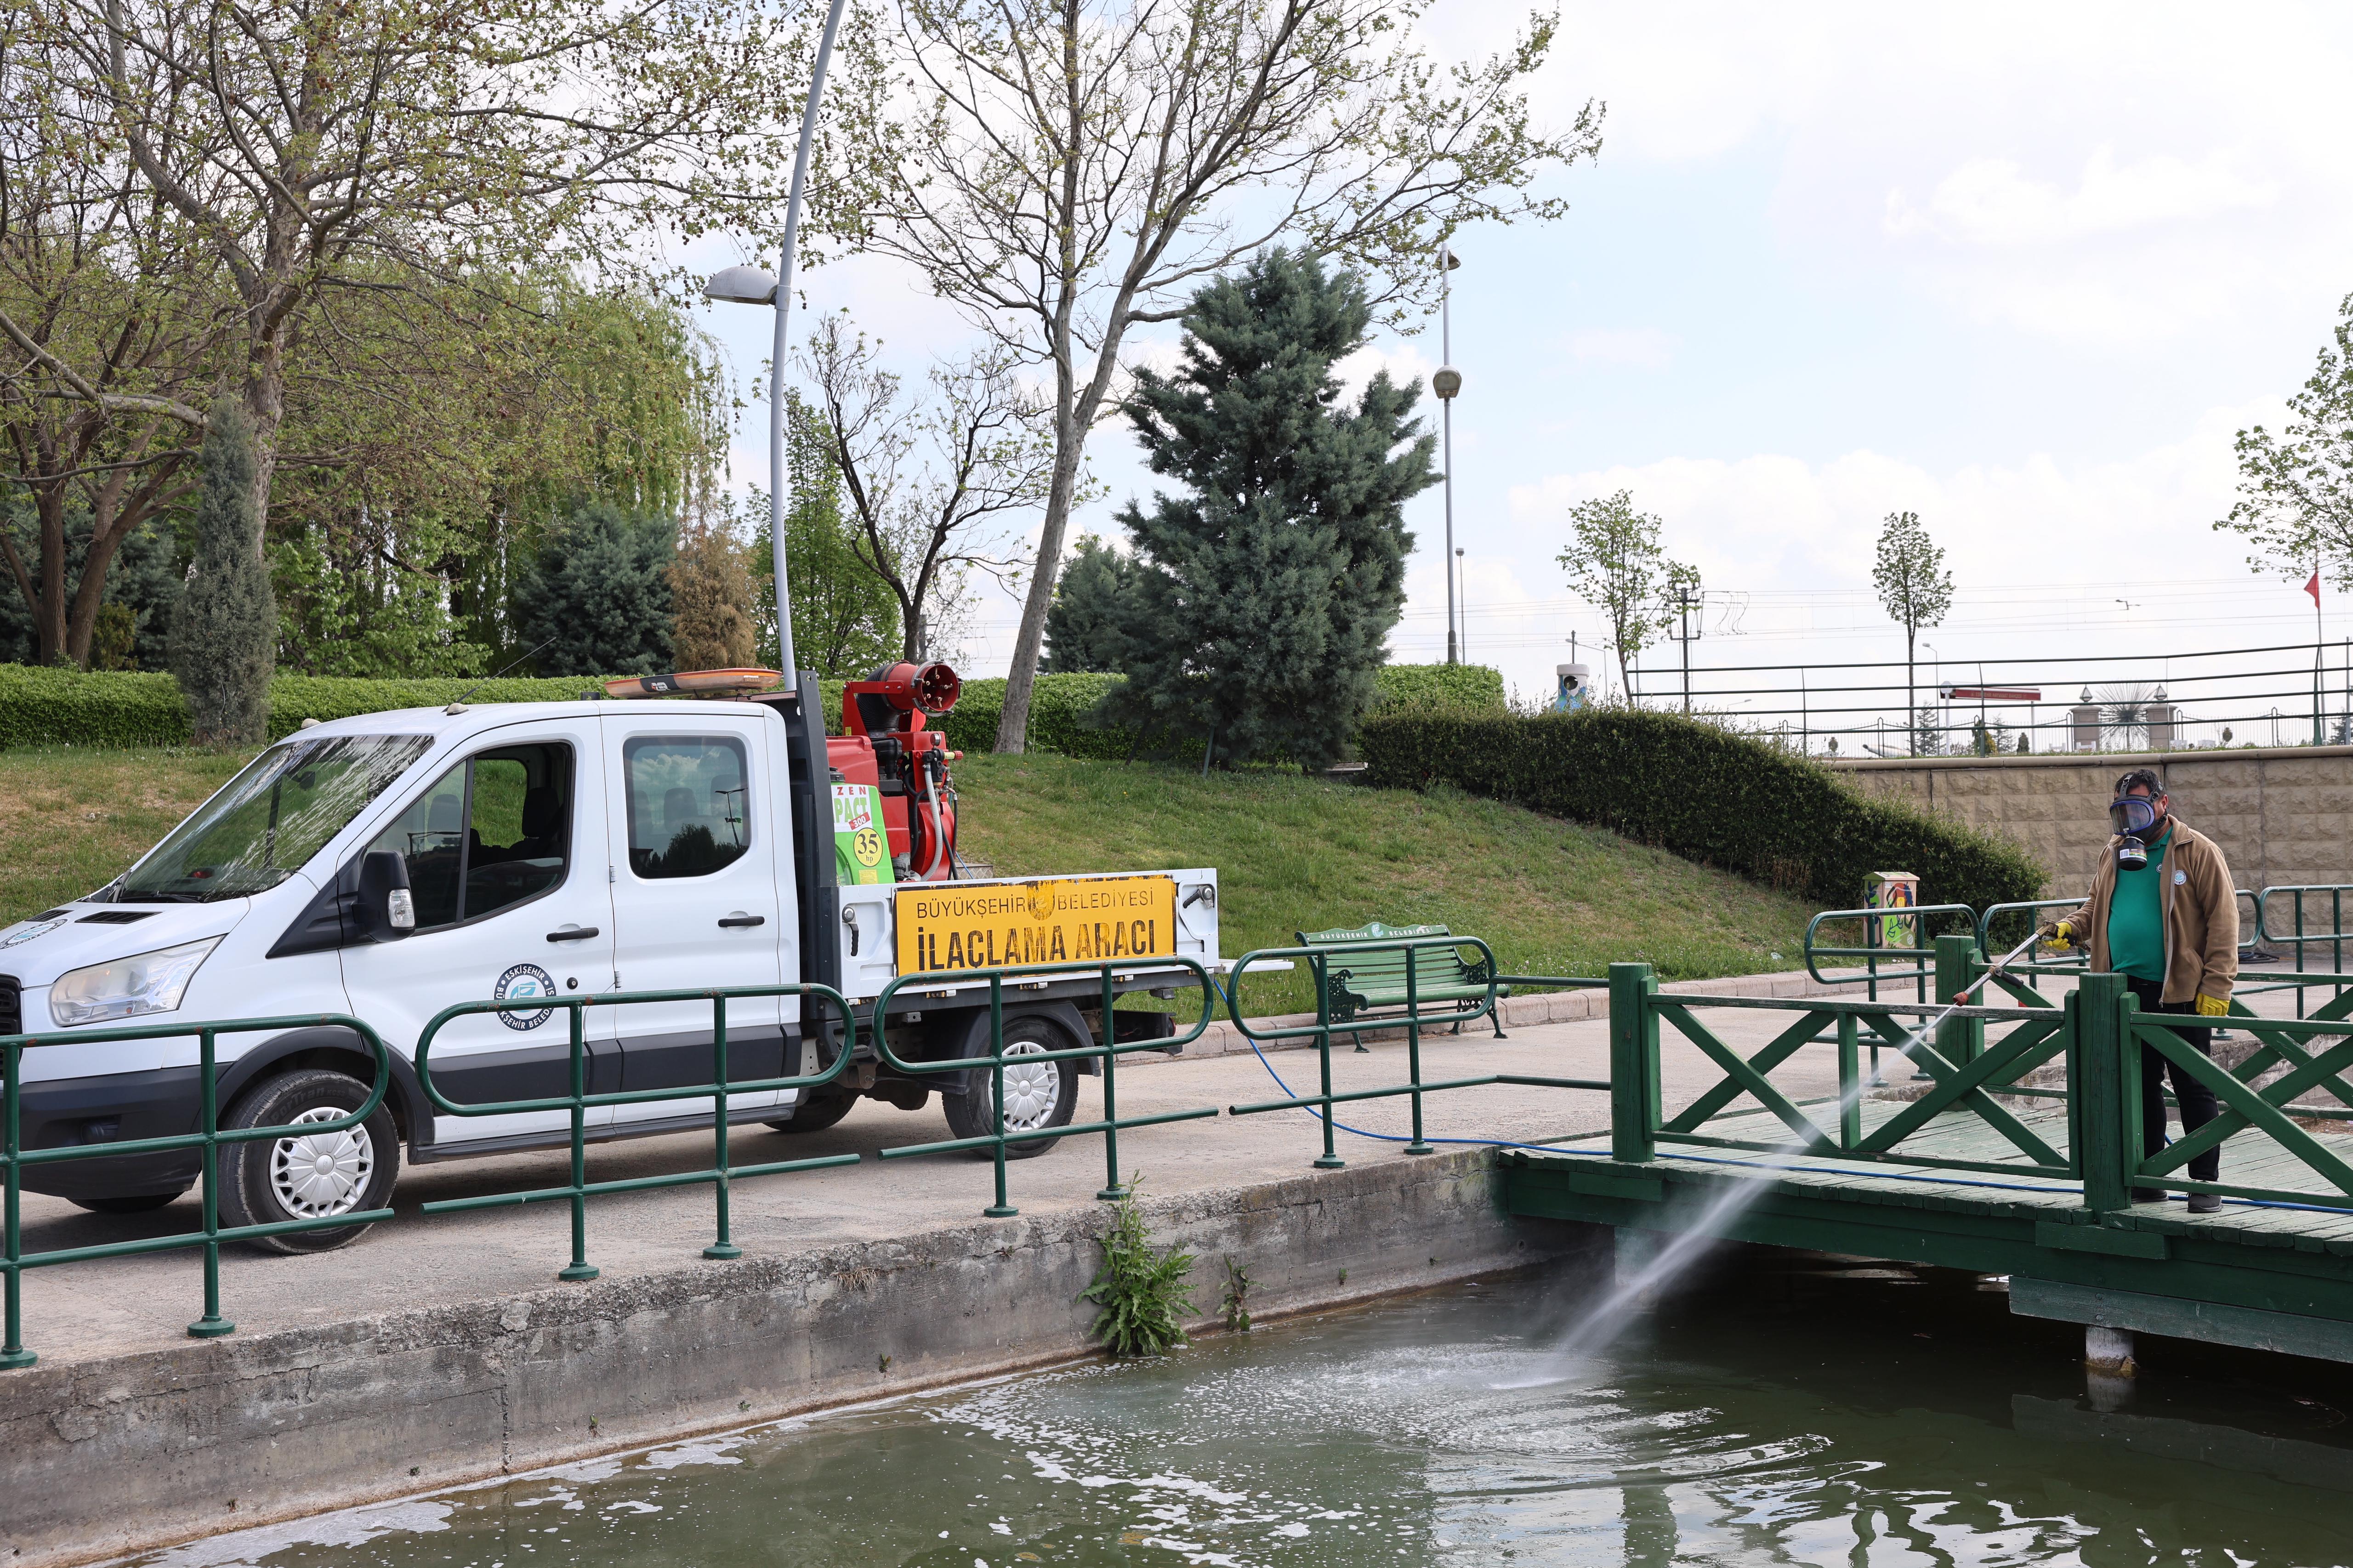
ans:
(307, 1177)
(1043, 1094)
(816, 1112)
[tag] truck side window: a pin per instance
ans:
(688, 803)
(491, 832)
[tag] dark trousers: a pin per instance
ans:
(2196, 1101)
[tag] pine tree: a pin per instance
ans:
(1086, 631)
(1263, 598)
(224, 645)
(598, 593)
(710, 600)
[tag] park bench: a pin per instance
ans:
(1369, 988)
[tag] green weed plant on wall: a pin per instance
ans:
(1141, 1292)
(1701, 791)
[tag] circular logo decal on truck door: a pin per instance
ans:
(525, 983)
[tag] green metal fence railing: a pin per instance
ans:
(1107, 1053)
(1449, 1011)
(721, 1175)
(1965, 1082)
(208, 1140)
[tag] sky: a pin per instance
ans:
(2023, 270)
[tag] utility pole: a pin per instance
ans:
(1686, 603)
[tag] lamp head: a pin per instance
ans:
(1446, 381)
(742, 286)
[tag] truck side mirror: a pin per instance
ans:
(386, 911)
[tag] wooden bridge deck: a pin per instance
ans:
(2274, 1276)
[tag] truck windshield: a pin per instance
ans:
(268, 820)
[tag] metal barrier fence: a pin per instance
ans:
(579, 1102)
(208, 1140)
(1108, 1053)
(2303, 900)
(1320, 959)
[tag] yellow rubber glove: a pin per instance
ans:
(2214, 1007)
(2062, 935)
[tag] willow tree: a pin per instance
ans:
(1069, 170)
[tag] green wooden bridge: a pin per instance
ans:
(2012, 1148)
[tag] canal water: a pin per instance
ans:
(1781, 1409)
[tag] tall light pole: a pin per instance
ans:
(1446, 383)
(752, 286)
(1466, 600)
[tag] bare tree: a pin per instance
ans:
(935, 481)
(1070, 169)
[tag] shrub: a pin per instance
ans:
(1439, 686)
(1701, 792)
(52, 706)
(1141, 1292)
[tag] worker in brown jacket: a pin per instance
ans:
(2164, 913)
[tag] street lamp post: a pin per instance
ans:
(1465, 585)
(1446, 383)
(753, 286)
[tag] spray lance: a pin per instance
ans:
(1961, 998)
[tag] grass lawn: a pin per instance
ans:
(1293, 853)
(1296, 854)
(71, 818)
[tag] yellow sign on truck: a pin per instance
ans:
(1052, 919)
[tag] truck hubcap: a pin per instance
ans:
(1031, 1088)
(317, 1175)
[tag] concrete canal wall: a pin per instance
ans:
(2282, 814)
(99, 1457)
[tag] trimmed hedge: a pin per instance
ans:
(1701, 792)
(82, 707)
(1439, 686)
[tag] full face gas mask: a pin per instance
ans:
(2135, 818)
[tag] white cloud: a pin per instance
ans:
(1991, 201)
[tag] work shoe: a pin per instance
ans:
(2148, 1194)
(2205, 1202)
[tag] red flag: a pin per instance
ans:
(2313, 588)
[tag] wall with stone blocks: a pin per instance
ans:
(2282, 814)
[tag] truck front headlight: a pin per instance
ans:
(128, 987)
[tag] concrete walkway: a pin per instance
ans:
(122, 1305)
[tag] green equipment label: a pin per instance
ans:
(861, 846)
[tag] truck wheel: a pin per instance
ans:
(147, 1202)
(816, 1112)
(311, 1175)
(1037, 1094)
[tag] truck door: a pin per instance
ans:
(696, 851)
(506, 861)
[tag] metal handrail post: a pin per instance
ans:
(12, 1354)
(212, 1325)
(1850, 1069)
(1002, 1207)
(722, 1247)
(579, 1269)
(1112, 1189)
(1419, 1145)
(1329, 1159)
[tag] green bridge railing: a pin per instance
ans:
(208, 1140)
(1991, 1105)
(578, 1101)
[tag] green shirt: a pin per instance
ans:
(2137, 916)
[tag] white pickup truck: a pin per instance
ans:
(389, 866)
